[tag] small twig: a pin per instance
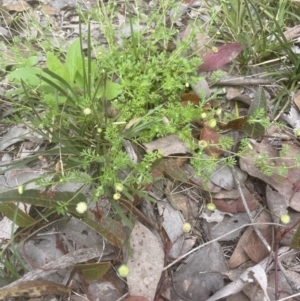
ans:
(238, 81)
(256, 230)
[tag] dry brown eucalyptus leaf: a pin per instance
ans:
(234, 206)
(146, 263)
(239, 256)
(292, 33)
(168, 145)
(18, 6)
(254, 247)
(211, 136)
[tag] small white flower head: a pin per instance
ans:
(214, 49)
(212, 123)
(87, 111)
(211, 206)
(81, 207)
(187, 85)
(116, 196)
(285, 219)
(186, 227)
(123, 270)
(202, 144)
(119, 187)
(99, 130)
(21, 189)
(218, 111)
(203, 115)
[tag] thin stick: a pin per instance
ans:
(238, 81)
(258, 233)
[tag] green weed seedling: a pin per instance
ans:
(87, 103)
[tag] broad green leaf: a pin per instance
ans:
(79, 75)
(73, 53)
(108, 228)
(93, 271)
(29, 75)
(110, 91)
(59, 83)
(256, 129)
(56, 66)
(22, 219)
(46, 89)
(51, 98)
(31, 61)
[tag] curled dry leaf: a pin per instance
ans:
(292, 33)
(239, 256)
(187, 98)
(254, 247)
(168, 145)
(235, 94)
(234, 206)
(224, 55)
(211, 137)
(235, 124)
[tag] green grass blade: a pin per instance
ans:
(56, 86)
